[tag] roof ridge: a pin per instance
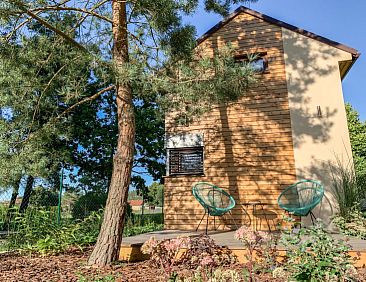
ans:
(243, 9)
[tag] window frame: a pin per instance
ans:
(259, 55)
(187, 150)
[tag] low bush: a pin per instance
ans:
(138, 224)
(200, 253)
(261, 250)
(37, 230)
(313, 255)
(348, 187)
(131, 230)
(217, 275)
(40, 233)
(353, 224)
(88, 203)
(42, 197)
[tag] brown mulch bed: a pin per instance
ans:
(71, 266)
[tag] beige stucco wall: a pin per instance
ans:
(313, 80)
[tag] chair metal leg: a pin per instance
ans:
(208, 214)
(254, 217)
(265, 217)
(232, 218)
(201, 220)
(312, 216)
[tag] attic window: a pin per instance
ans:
(259, 64)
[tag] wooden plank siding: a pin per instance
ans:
(248, 146)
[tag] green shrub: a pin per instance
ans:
(88, 203)
(42, 197)
(40, 233)
(139, 219)
(108, 278)
(313, 255)
(353, 224)
(348, 187)
(217, 275)
(37, 230)
(137, 224)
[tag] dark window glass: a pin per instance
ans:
(258, 65)
(186, 161)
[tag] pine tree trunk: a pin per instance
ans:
(107, 247)
(27, 193)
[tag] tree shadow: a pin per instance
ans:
(250, 144)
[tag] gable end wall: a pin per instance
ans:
(248, 144)
(320, 141)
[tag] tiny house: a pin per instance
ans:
(292, 125)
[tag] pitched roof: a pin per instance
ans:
(242, 9)
(135, 203)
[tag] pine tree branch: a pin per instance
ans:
(40, 96)
(87, 99)
(24, 9)
(84, 11)
(15, 29)
(141, 42)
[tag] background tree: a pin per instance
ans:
(357, 134)
(30, 83)
(43, 197)
(147, 52)
(156, 194)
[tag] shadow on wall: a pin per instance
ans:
(324, 171)
(306, 66)
(249, 143)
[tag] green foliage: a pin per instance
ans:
(138, 224)
(313, 255)
(34, 92)
(261, 250)
(352, 224)
(98, 278)
(37, 231)
(357, 134)
(348, 188)
(217, 275)
(43, 197)
(132, 230)
(45, 69)
(88, 203)
(156, 194)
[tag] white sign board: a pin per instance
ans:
(183, 140)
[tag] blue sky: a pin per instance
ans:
(341, 21)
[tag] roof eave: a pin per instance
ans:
(354, 59)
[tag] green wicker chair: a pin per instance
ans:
(301, 198)
(215, 201)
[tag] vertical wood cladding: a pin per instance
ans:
(248, 147)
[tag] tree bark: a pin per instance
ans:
(27, 193)
(108, 244)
